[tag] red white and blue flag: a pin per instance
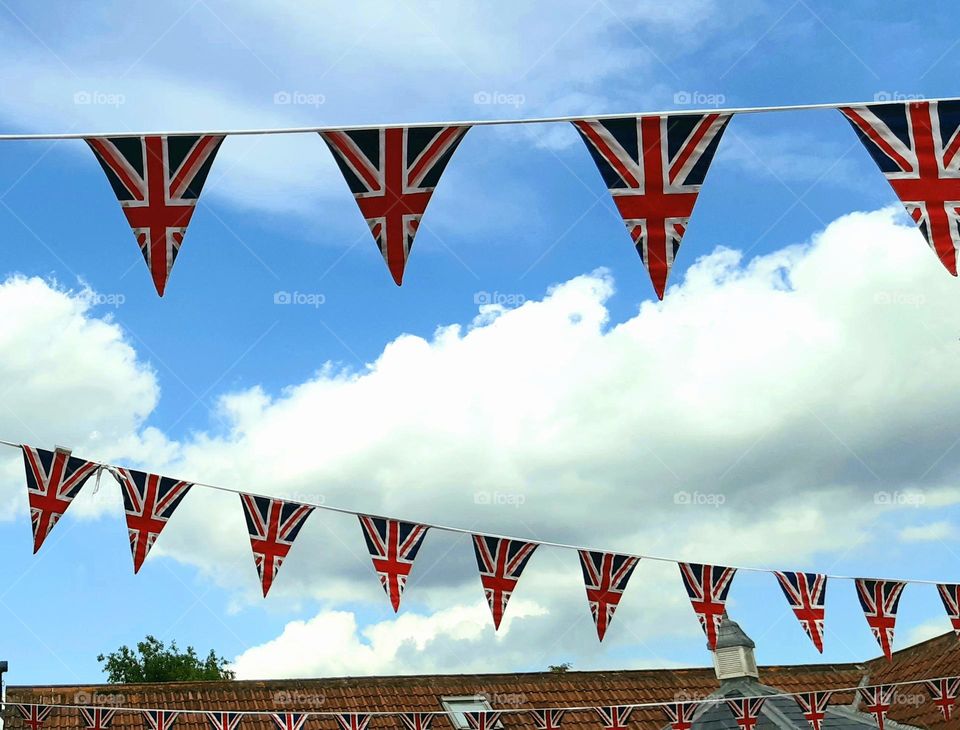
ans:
(157, 180)
(878, 701)
(707, 586)
(290, 720)
(654, 168)
(615, 717)
(224, 720)
(392, 173)
(416, 720)
(944, 692)
(807, 594)
(149, 501)
(273, 525)
(950, 595)
(916, 146)
(880, 600)
(97, 718)
(500, 561)
(547, 719)
(34, 715)
(814, 707)
(160, 719)
(680, 714)
(605, 576)
(393, 546)
(352, 721)
(54, 478)
(746, 711)
(482, 719)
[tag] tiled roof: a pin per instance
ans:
(940, 656)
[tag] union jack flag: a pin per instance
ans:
(950, 595)
(290, 720)
(746, 711)
(605, 576)
(680, 714)
(878, 701)
(482, 719)
(501, 561)
(417, 720)
(392, 172)
(814, 707)
(915, 145)
(807, 595)
(149, 501)
(54, 478)
(224, 720)
(97, 718)
(157, 180)
(352, 721)
(879, 600)
(943, 692)
(547, 719)
(654, 167)
(615, 717)
(393, 546)
(273, 526)
(160, 719)
(34, 715)
(707, 586)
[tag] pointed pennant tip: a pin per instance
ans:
(396, 271)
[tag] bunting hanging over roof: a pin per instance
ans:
(916, 145)
(224, 720)
(149, 501)
(290, 720)
(605, 576)
(352, 721)
(944, 692)
(547, 719)
(34, 715)
(416, 720)
(393, 545)
(615, 717)
(879, 600)
(500, 561)
(160, 719)
(878, 701)
(157, 180)
(814, 707)
(950, 595)
(97, 718)
(482, 719)
(680, 714)
(654, 167)
(54, 478)
(746, 711)
(806, 593)
(392, 173)
(707, 586)
(273, 525)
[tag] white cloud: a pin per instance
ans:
(929, 532)
(927, 630)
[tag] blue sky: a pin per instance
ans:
(798, 378)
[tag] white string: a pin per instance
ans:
(473, 123)
(436, 713)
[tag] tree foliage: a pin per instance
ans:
(153, 661)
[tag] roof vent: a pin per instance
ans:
(733, 657)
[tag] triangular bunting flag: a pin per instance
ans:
(680, 714)
(746, 711)
(547, 719)
(54, 478)
(97, 718)
(482, 720)
(605, 576)
(149, 500)
(160, 719)
(807, 594)
(943, 692)
(814, 707)
(654, 167)
(879, 600)
(393, 546)
(157, 180)
(707, 586)
(224, 720)
(392, 172)
(950, 595)
(290, 720)
(352, 721)
(500, 561)
(34, 715)
(417, 720)
(615, 717)
(916, 145)
(878, 701)
(273, 525)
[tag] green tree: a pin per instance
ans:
(560, 668)
(155, 662)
